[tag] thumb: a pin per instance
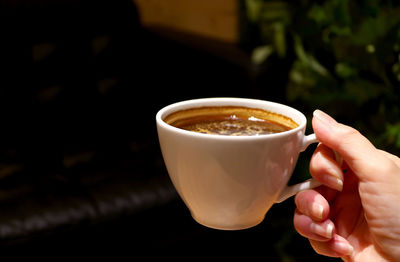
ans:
(358, 152)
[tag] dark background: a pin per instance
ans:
(81, 170)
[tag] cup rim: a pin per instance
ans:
(226, 101)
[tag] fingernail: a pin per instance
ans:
(334, 182)
(343, 248)
(322, 230)
(324, 117)
(317, 210)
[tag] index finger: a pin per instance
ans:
(325, 169)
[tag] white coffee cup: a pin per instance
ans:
(230, 182)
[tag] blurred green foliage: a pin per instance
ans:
(344, 55)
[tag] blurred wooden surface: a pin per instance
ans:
(210, 18)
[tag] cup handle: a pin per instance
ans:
(289, 191)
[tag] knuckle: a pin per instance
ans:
(383, 171)
(388, 168)
(348, 132)
(392, 157)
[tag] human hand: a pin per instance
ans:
(355, 215)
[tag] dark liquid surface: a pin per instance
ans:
(233, 126)
(230, 121)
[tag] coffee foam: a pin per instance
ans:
(228, 113)
(235, 127)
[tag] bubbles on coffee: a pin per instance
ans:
(230, 121)
(234, 126)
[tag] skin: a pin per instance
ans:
(355, 215)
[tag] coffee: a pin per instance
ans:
(230, 121)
